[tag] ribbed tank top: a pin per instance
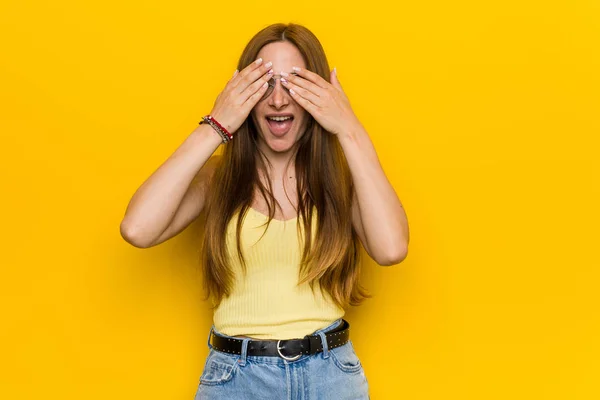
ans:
(266, 303)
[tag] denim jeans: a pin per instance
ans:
(333, 374)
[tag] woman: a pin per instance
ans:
(297, 188)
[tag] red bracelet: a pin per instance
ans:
(208, 118)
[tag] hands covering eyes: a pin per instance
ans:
(241, 93)
(326, 102)
(272, 82)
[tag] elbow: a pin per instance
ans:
(130, 236)
(396, 256)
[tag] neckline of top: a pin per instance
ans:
(266, 217)
(274, 219)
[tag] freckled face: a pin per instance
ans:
(277, 132)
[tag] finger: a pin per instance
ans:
(307, 105)
(305, 93)
(303, 83)
(334, 79)
(247, 70)
(255, 86)
(252, 76)
(230, 81)
(311, 76)
(254, 98)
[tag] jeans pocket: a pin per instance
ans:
(219, 368)
(345, 358)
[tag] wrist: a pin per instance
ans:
(208, 133)
(221, 121)
(226, 136)
(353, 132)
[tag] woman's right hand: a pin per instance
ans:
(242, 92)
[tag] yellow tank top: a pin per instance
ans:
(266, 303)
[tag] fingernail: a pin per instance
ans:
(335, 71)
(270, 71)
(296, 68)
(283, 73)
(284, 81)
(235, 73)
(267, 65)
(258, 61)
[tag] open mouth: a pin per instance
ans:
(280, 125)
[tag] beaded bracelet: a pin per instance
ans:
(217, 127)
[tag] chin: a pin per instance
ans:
(278, 144)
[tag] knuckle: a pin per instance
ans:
(256, 85)
(243, 74)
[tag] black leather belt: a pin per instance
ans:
(289, 349)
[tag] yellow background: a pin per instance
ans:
(485, 118)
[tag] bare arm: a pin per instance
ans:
(378, 215)
(173, 196)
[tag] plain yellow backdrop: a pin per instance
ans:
(485, 116)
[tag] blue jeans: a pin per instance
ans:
(333, 374)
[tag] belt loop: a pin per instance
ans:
(209, 336)
(244, 354)
(324, 343)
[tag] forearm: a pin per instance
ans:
(154, 204)
(384, 221)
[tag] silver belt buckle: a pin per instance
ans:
(284, 357)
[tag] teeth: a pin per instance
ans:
(279, 118)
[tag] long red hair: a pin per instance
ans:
(323, 181)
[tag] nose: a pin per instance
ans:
(279, 98)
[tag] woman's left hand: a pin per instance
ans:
(325, 101)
